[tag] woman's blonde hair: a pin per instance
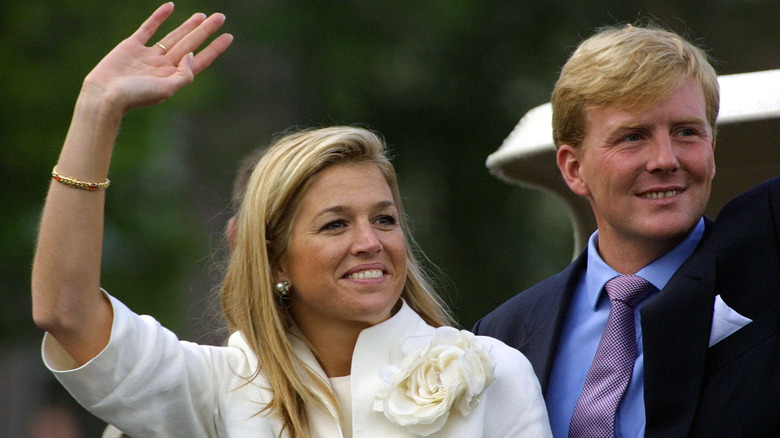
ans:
(625, 67)
(273, 192)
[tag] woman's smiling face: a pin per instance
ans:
(346, 260)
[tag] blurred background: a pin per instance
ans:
(444, 82)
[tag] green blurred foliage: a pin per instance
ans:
(443, 81)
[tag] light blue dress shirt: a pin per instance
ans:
(582, 329)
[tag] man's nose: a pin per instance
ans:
(663, 155)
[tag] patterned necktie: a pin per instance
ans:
(611, 370)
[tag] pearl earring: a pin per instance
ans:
(283, 289)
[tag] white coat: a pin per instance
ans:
(148, 383)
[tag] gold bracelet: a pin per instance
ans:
(78, 184)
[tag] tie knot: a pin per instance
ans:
(629, 289)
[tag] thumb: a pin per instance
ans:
(186, 62)
(185, 66)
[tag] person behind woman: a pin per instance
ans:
(336, 331)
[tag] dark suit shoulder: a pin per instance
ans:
(745, 239)
(753, 208)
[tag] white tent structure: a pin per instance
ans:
(747, 150)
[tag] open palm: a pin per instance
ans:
(134, 74)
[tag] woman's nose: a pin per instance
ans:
(366, 239)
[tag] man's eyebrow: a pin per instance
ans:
(641, 125)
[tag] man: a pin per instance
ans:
(634, 115)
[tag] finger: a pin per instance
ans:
(206, 56)
(150, 26)
(195, 38)
(180, 32)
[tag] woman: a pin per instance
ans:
(334, 326)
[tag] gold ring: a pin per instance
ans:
(165, 49)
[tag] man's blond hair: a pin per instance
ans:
(629, 66)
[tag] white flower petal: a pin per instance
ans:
(439, 372)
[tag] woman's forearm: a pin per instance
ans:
(67, 301)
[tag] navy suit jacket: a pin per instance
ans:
(729, 390)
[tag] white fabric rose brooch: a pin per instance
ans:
(438, 373)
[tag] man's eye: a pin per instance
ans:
(633, 137)
(334, 225)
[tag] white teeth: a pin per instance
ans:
(373, 273)
(661, 195)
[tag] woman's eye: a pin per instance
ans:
(386, 220)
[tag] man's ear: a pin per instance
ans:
(230, 231)
(714, 167)
(568, 160)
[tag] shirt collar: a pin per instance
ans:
(657, 273)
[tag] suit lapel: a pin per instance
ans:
(675, 334)
(544, 331)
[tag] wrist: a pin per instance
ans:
(98, 102)
(88, 146)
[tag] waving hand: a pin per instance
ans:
(136, 73)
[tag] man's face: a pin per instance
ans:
(646, 171)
